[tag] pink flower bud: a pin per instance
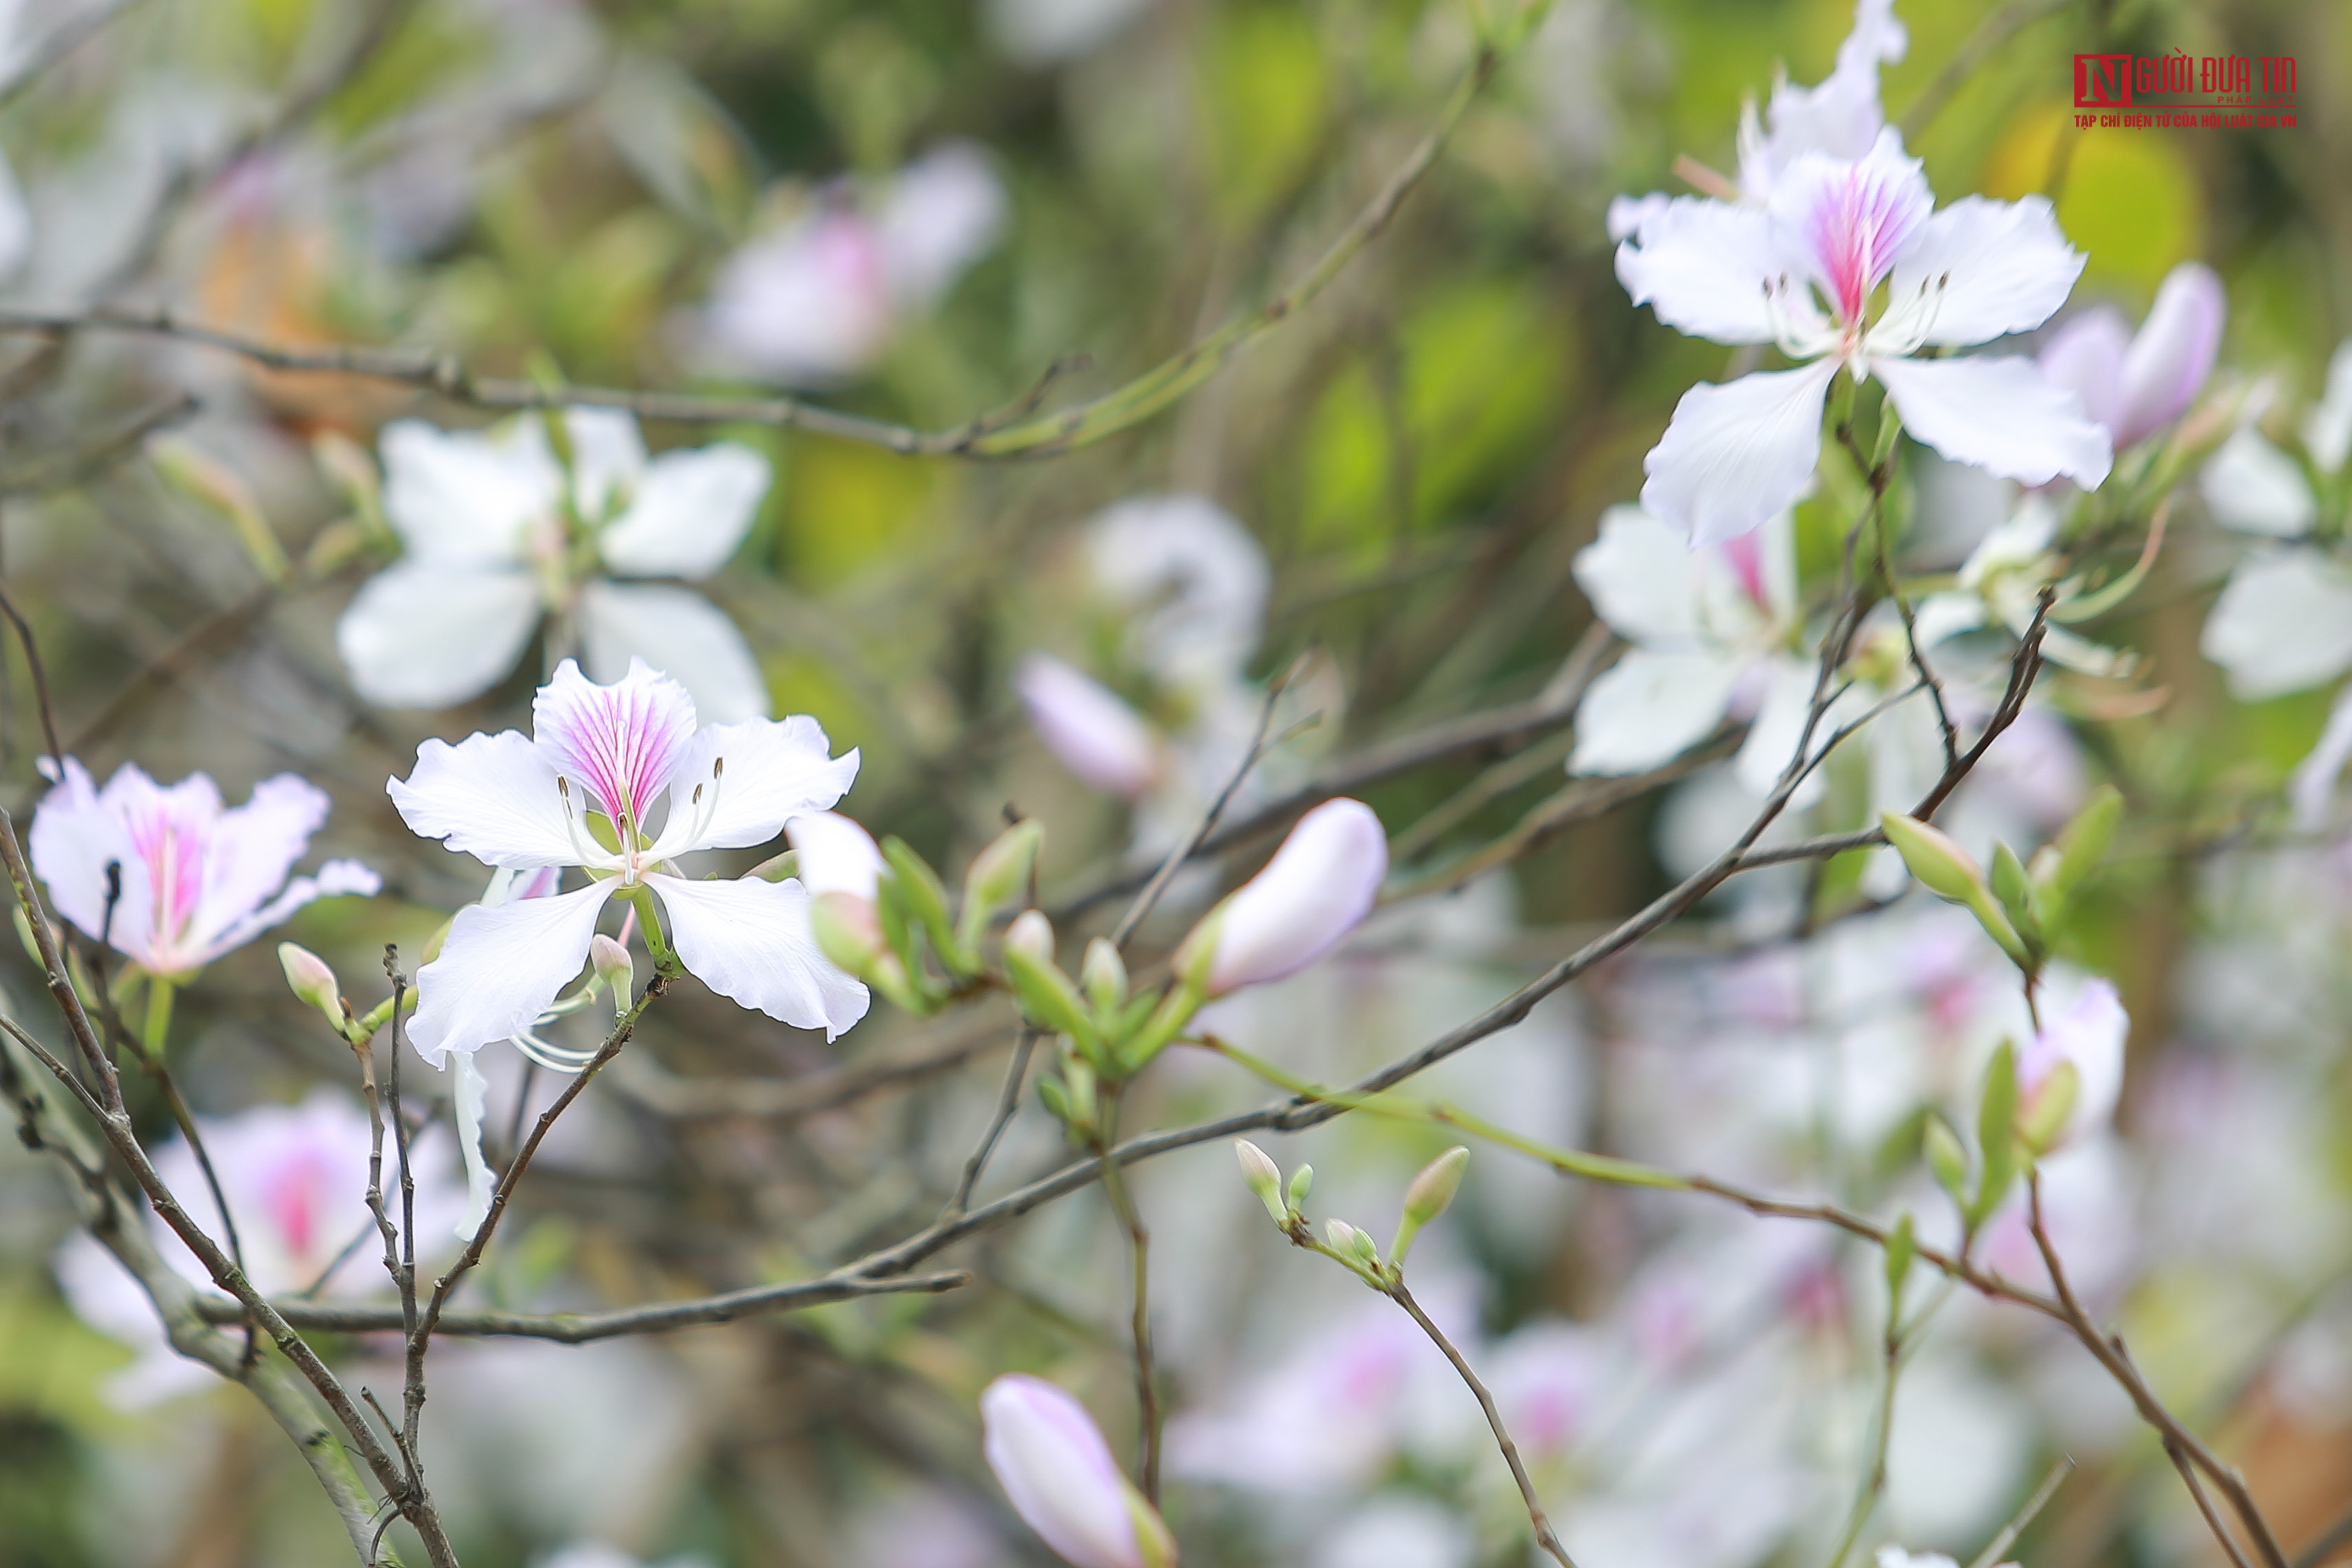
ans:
(835, 854)
(1083, 723)
(1053, 1465)
(614, 968)
(2088, 1033)
(1030, 935)
(2172, 354)
(310, 978)
(1317, 889)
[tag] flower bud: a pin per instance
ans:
(616, 968)
(1103, 976)
(312, 981)
(2172, 354)
(1083, 723)
(1032, 936)
(1302, 1182)
(835, 854)
(1264, 1178)
(1315, 890)
(1946, 1157)
(999, 874)
(1942, 867)
(848, 931)
(1058, 1473)
(1429, 1196)
(2069, 1075)
(1047, 998)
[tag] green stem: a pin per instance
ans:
(1147, 1388)
(650, 926)
(159, 1015)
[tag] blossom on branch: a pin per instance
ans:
(196, 879)
(1051, 1460)
(2136, 384)
(1804, 273)
(616, 780)
(1315, 890)
(499, 531)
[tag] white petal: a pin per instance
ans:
(467, 497)
(1315, 890)
(1089, 727)
(499, 968)
(749, 941)
(15, 225)
(622, 740)
(470, 1100)
(1846, 223)
(1627, 214)
(608, 458)
(1998, 415)
(1703, 264)
(2328, 429)
(1779, 725)
(2086, 357)
(1648, 709)
(335, 880)
(422, 634)
(1052, 1461)
(805, 305)
(2313, 782)
(681, 633)
(944, 211)
(1841, 117)
(690, 510)
(2173, 352)
(766, 771)
(1981, 269)
(75, 834)
(252, 851)
(2283, 623)
(1735, 454)
(2255, 488)
(493, 796)
(835, 855)
(1942, 615)
(1192, 579)
(1641, 578)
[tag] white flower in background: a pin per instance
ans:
(1089, 727)
(1801, 273)
(1041, 33)
(1192, 580)
(496, 535)
(296, 1180)
(197, 879)
(817, 301)
(2283, 624)
(629, 754)
(2136, 385)
(1051, 1460)
(1712, 631)
(2000, 585)
(1841, 118)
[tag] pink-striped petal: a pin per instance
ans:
(620, 742)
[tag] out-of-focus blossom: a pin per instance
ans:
(1801, 273)
(1192, 579)
(817, 301)
(1315, 890)
(1053, 1465)
(923, 1527)
(497, 534)
(1088, 728)
(1397, 1529)
(621, 752)
(835, 855)
(2283, 624)
(2002, 584)
(1040, 33)
(1841, 118)
(1549, 1380)
(296, 1179)
(2087, 1033)
(2137, 385)
(197, 879)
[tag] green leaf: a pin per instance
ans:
(1996, 1135)
(1902, 1246)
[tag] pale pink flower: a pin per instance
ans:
(1802, 273)
(1051, 1460)
(1315, 890)
(630, 754)
(1089, 727)
(199, 880)
(2137, 384)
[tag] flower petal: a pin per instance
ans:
(2328, 429)
(499, 968)
(75, 834)
(944, 210)
(336, 879)
(749, 941)
(1315, 890)
(806, 305)
(690, 510)
(1998, 415)
(470, 1100)
(467, 497)
(2314, 781)
(1058, 1473)
(2284, 623)
(252, 851)
(1841, 117)
(493, 796)
(1192, 580)
(1649, 708)
(765, 772)
(1643, 579)
(1703, 264)
(835, 855)
(2173, 352)
(1846, 223)
(1088, 728)
(2255, 488)
(1981, 269)
(608, 459)
(1735, 454)
(676, 631)
(2086, 357)
(425, 635)
(621, 741)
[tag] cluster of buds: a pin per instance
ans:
(1318, 888)
(876, 908)
(2021, 907)
(1429, 1196)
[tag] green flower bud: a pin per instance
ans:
(616, 968)
(1429, 1196)
(999, 874)
(312, 982)
(1264, 1178)
(1302, 1182)
(1103, 976)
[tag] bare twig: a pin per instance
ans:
(1008, 1101)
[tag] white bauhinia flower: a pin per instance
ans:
(496, 534)
(1802, 273)
(2283, 623)
(2137, 384)
(623, 765)
(816, 301)
(1841, 117)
